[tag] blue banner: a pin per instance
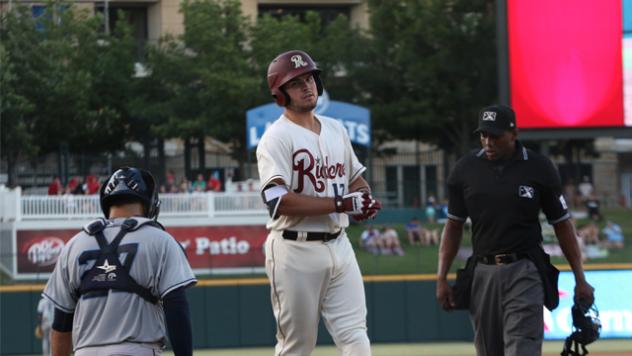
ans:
(613, 298)
(356, 119)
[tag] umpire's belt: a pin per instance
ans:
(309, 236)
(501, 259)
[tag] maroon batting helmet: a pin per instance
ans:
(287, 66)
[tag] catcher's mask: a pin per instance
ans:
(287, 66)
(586, 329)
(129, 185)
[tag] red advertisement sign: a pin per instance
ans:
(207, 247)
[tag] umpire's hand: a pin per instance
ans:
(584, 293)
(444, 294)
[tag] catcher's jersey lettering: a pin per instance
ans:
(315, 172)
(127, 253)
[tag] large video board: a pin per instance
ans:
(570, 63)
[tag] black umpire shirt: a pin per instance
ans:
(503, 199)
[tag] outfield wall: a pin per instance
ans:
(225, 314)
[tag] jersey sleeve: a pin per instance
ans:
(174, 270)
(274, 160)
(457, 209)
(552, 200)
(59, 288)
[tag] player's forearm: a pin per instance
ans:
(567, 237)
(358, 184)
(293, 204)
(450, 242)
(61, 343)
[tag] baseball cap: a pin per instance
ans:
(496, 119)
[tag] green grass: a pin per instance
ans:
(424, 259)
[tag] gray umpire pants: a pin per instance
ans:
(506, 309)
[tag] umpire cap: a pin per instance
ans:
(496, 119)
(130, 184)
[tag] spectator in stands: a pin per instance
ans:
(442, 211)
(390, 242)
(589, 233)
(370, 240)
(214, 184)
(413, 228)
(614, 235)
(55, 187)
(80, 188)
(92, 184)
(185, 185)
(585, 188)
(592, 206)
(72, 185)
(570, 193)
(419, 235)
(199, 185)
(170, 183)
(431, 210)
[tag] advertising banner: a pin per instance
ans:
(209, 249)
(356, 119)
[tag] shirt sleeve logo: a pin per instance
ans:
(525, 191)
(563, 202)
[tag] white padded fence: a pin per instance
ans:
(42, 207)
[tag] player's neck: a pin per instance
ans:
(304, 119)
(126, 210)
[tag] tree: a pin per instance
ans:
(71, 79)
(430, 68)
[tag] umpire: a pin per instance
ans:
(502, 188)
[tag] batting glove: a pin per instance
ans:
(360, 205)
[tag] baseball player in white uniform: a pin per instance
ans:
(118, 286)
(311, 181)
(45, 312)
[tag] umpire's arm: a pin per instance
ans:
(567, 237)
(450, 242)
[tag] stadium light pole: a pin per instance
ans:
(106, 17)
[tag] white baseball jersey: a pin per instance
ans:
(310, 164)
(156, 261)
(313, 279)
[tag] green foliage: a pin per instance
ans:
(65, 81)
(431, 66)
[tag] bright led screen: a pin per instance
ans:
(567, 63)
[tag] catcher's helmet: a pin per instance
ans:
(287, 66)
(586, 325)
(130, 184)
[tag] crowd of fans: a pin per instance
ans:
(78, 185)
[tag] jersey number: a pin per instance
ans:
(129, 250)
(339, 188)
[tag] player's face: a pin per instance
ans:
(303, 93)
(498, 147)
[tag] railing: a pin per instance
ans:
(37, 207)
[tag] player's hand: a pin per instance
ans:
(361, 205)
(584, 293)
(445, 298)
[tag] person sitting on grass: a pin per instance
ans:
(370, 240)
(390, 242)
(614, 235)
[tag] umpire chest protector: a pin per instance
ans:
(108, 272)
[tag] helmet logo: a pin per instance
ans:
(298, 61)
